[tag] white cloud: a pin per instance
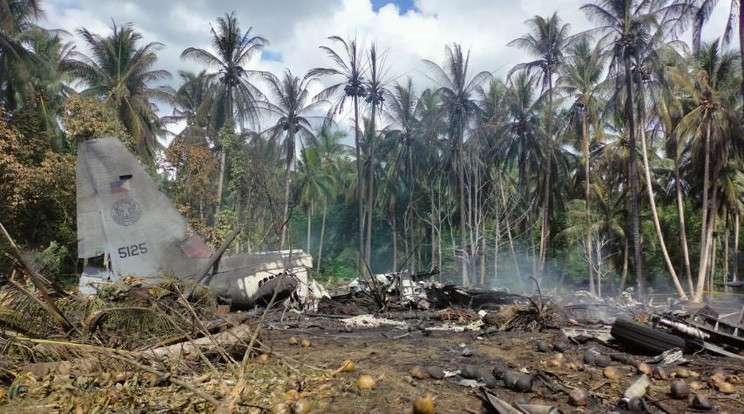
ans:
(295, 29)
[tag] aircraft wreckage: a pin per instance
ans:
(124, 217)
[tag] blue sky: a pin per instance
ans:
(403, 5)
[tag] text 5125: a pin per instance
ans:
(133, 250)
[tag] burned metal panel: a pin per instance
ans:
(142, 230)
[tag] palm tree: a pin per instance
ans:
(458, 94)
(121, 72)
(627, 25)
(44, 82)
(191, 104)
(668, 111)
(292, 105)
(710, 91)
(581, 78)
(350, 69)
(401, 110)
(547, 40)
(328, 146)
(17, 18)
(315, 184)
(236, 97)
(701, 10)
(375, 89)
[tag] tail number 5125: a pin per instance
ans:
(133, 250)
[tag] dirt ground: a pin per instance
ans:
(290, 371)
(388, 354)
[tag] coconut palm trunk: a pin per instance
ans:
(587, 213)
(635, 225)
(370, 186)
(735, 276)
(683, 226)
(395, 242)
(650, 191)
(309, 226)
(463, 212)
(287, 185)
(545, 228)
(322, 234)
(703, 266)
(360, 205)
(223, 155)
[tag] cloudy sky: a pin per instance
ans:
(407, 30)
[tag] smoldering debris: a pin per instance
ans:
(413, 344)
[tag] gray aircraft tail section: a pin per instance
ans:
(121, 211)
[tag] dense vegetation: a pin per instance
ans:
(612, 158)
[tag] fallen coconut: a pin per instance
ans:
(469, 372)
(488, 379)
(281, 408)
(557, 360)
(542, 346)
(644, 368)
(524, 383)
(660, 373)
(725, 387)
(701, 402)
(612, 373)
(577, 397)
(291, 395)
(697, 385)
(293, 341)
(305, 343)
(435, 372)
(418, 372)
(263, 358)
(510, 379)
(366, 382)
(347, 366)
(560, 346)
(499, 370)
(423, 404)
(301, 406)
(681, 372)
(679, 390)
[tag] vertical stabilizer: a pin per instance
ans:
(121, 211)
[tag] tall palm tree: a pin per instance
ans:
(458, 94)
(668, 111)
(581, 78)
(401, 110)
(331, 152)
(17, 17)
(626, 26)
(700, 12)
(120, 71)
(710, 91)
(315, 185)
(546, 41)
(45, 83)
(191, 104)
(349, 70)
(375, 96)
(291, 104)
(237, 97)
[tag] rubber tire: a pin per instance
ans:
(651, 340)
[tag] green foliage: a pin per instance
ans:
(87, 117)
(37, 186)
